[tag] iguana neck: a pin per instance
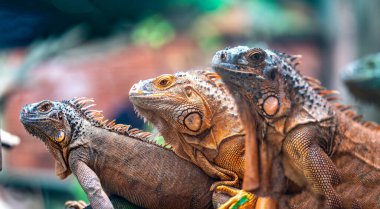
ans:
(85, 132)
(224, 124)
(85, 122)
(224, 130)
(173, 138)
(307, 94)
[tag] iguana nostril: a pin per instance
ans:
(223, 56)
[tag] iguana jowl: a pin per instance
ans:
(198, 118)
(300, 130)
(110, 158)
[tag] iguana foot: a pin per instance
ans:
(225, 174)
(217, 184)
(239, 199)
(72, 204)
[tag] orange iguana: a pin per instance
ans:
(301, 133)
(197, 116)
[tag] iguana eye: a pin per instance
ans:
(164, 81)
(45, 107)
(60, 136)
(256, 55)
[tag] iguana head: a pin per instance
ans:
(63, 125)
(190, 104)
(269, 82)
(48, 121)
(260, 76)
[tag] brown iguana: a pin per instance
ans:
(300, 131)
(110, 158)
(197, 116)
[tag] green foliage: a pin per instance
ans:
(154, 31)
(160, 140)
(204, 6)
(272, 19)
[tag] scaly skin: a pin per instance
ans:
(198, 118)
(117, 202)
(301, 133)
(109, 158)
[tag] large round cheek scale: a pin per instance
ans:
(271, 105)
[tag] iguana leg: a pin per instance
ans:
(71, 204)
(227, 177)
(239, 199)
(266, 203)
(91, 185)
(234, 179)
(316, 166)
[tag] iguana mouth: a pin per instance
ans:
(231, 69)
(225, 66)
(140, 99)
(25, 119)
(146, 95)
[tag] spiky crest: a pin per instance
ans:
(206, 79)
(328, 95)
(82, 105)
(331, 96)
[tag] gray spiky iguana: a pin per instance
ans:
(197, 116)
(109, 158)
(301, 133)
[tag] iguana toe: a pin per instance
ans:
(72, 204)
(239, 199)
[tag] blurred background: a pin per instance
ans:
(59, 49)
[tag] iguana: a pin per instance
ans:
(301, 132)
(197, 117)
(362, 77)
(111, 158)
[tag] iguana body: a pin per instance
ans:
(197, 116)
(300, 132)
(109, 158)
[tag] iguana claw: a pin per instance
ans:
(72, 204)
(239, 199)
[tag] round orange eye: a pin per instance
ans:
(60, 136)
(164, 81)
